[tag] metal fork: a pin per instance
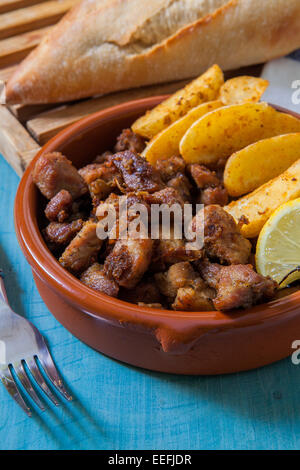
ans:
(21, 346)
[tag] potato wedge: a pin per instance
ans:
(204, 88)
(220, 133)
(166, 143)
(256, 164)
(258, 206)
(243, 90)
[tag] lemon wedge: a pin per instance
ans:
(278, 245)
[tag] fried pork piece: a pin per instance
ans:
(177, 276)
(62, 233)
(222, 239)
(81, 209)
(116, 202)
(167, 196)
(128, 140)
(184, 287)
(217, 195)
(212, 189)
(146, 292)
(138, 174)
(237, 286)
(202, 176)
(103, 157)
(195, 297)
(128, 261)
(170, 167)
(172, 250)
(181, 183)
(95, 278)
(209, 271)
(83, 249)
(59, 207)
(101, 178)
(54, 172)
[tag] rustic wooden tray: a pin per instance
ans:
(24, 129)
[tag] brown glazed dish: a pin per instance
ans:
(161, 340)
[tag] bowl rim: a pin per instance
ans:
(47, 268)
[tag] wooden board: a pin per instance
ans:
(24, 128)
(33, 17)
(15, 48)
(9, 5)
(17, 146)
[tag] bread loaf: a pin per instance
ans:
(102, 46)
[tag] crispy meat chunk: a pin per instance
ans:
(59, 207)
(238, 286)
(103, 157)
(95, 278)
(172, 250)
(183, 286)
(182, 185)
(83, 249)
(128, 261)
(196, 297)
(146, 292)
(212, 189)
(62, 233)
(214, 195)
(177, 276)
(202, 176)
(209, 271)
(54, 172)
(137, 173)
(222, 239)
(81, 209)
(128, 140)
(117, 202)
(167, 196)
(168, 168)
(101, 178)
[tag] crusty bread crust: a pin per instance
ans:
(102, 46)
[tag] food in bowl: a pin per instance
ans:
(158, 272)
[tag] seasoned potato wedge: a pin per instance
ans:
(258, 206)
(166, 143)
(256, 164)
(204, 88)
(220, 133)
(243, 90)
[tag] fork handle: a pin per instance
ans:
(3, 295)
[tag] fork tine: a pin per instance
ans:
(12, 388)
(24, 379)
(46, 361)
(34, 370)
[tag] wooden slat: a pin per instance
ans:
(34, 17)
(16, 145)
(46, 125)
(16, 48)
(25, 112)
(9, 5)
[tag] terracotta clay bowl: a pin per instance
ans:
(161, 340)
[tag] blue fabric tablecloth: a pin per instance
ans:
(121, 407)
